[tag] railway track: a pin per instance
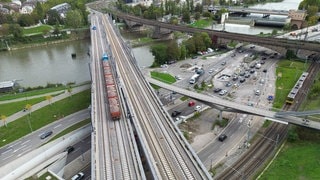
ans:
(114, 153)
(265, 146)
(169, 155)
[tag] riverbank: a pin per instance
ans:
(74, 36)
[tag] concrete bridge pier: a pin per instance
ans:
(159, 32)
(220, 115)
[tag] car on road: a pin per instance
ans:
(223, 63)
(69, 149)
(46, 134)
(175, 113)
(78, 176)
(216, 90)
(265, 70)
(197, 108)
(210, 71)
(222, 137)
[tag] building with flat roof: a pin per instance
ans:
(6, 86)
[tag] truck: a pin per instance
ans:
(194, 78)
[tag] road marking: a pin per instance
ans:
(6, 151)
(19, 148)
(7, 157)
(57, 126)
(25, 142)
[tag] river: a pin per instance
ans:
(54, 64)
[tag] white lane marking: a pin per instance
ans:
(7, 157)
(25, 142)
(6, 151)
(57, 126)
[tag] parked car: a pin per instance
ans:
(222, 137)
(175, 113)
(197, 108)
(191, 103)
(265, 70)
(216, 90)
(242, 80)
(78, 176)
(46, 134)
(223, 92)
(228, 84)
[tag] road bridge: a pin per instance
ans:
(278, 44)
(242, 108)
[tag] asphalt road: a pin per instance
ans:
(33, 141)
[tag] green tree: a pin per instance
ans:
(197, 16)
(16, 31)
(274, 32)
(198, 8)
(159, 51)
(25, 20)
(206, 39)
(173, 51)
(190, 46)
(74, 19)
(54, 17)
(186, 16)
(183, 52)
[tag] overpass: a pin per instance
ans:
(274, 116)
(223, 37)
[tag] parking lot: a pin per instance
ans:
(233, 75)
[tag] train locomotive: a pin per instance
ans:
(111, 88)
(294, 91)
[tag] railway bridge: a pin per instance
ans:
(280, 45)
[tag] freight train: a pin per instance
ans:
(294, 91)
(111, 88)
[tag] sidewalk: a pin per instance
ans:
(43, 103)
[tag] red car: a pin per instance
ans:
(191, 103)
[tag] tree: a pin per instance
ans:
(173, 51)
(74, 19)
(183, 52)
(274, 32)
(159, 52)
(25, 20)
(28, 107)
(16, 31)
(4, 119)
(197, 16)
(186, 17)
(54, 17)
(49, 98)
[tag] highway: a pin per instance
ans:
(168, 154)
(240, 107)
(114, 153)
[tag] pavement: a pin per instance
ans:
(201, 131)
(64, 94)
